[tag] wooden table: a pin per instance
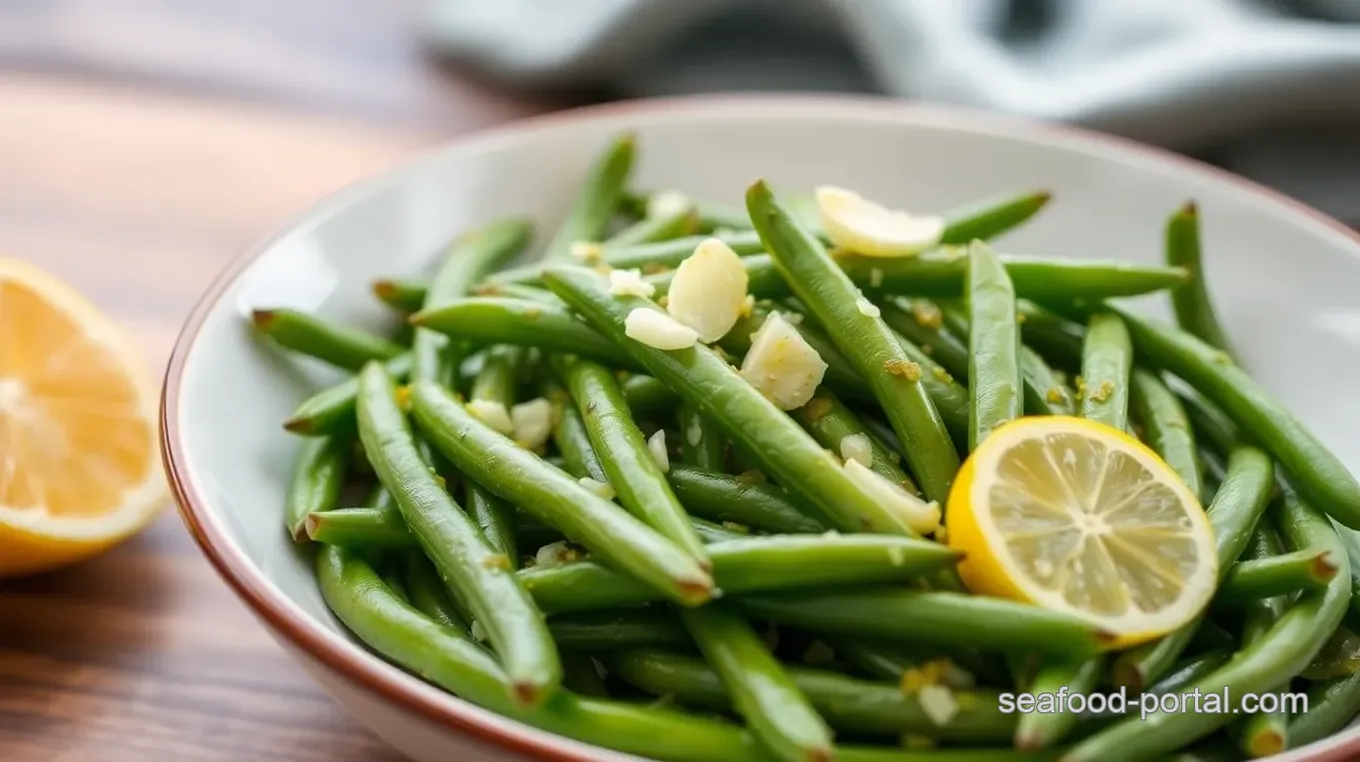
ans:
(143, 143)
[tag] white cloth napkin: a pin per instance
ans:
(1268, 88)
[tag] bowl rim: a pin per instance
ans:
(375, 675)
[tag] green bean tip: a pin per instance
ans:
(263, 318)
(1189, 210)
(1322, 567)
(300, 425)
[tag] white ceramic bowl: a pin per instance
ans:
(1284, 277)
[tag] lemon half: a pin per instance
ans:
(79, 468)
(1075, 516)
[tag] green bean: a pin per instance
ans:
(1106, 361)
(339, 345)
(597, 631)
(1331, 706)
(522, 478)
(332, 408)
(1338, 658)
(880, 754)
(711, 532)
(650, 230)
(1191, 303)
(847, 703)
(580, 675)
(1350, 540)
(920, 321)
(942, 274)
(942, 618)
(427, 594)
(497, 320)
(993, 344)
(360, 528)
(497, 379)
(1262, 734)
(701, 441)
(1233, 514)
(872, 659)
(739, 499)
(1319, 476)
(495, 383)
(646, 395)
(521, 291)
(857, 331)
(468, 259)
(314, 486)
(1166, 427)
(1271, 661)
(495, 519)
(951, 399)
(401, 294)
(1189, 671)
(1054, 337)
(990, 217)
(476, 574)
(747, 417)
(1249, 581)
(752, 564)
(572, 441)
(402, 635)
(712, 216)
(775, 710)
(628, 462)
(1043, 391)
(652, 258)
(1040, 730)
(830, 422)
(594, 207)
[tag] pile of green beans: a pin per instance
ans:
(635, 548)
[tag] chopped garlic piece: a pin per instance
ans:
(555, 554)
(658, 330)
(667, 203)
(921, 516)
(694, 432)
(629, 283)
(857, 447)
(656, 443)
(938, 703)
(587, 250)
(859, 225)
(477, 631)
(708, 291)
(493, 414)
(867, 308)
(533, 422)
(603, 489)
(781, 365)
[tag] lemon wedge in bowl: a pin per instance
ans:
(79, 463)
(1078, 517)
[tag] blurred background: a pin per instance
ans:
(143, 143)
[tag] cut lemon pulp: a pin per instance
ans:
(1078, 517)
(79, 469)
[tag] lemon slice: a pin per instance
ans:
(858, 225)
(79, 469)
(1078, 517)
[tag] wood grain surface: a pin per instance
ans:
(143, 143)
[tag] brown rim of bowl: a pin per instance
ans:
(374, 674)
